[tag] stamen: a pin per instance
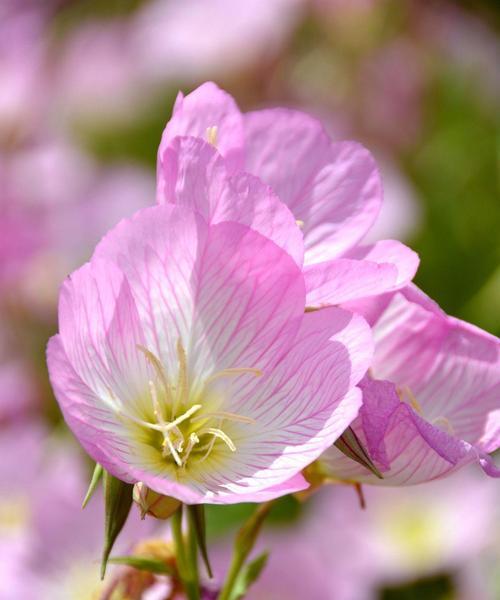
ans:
(193, 440)
(173, 451)
(182, 385)
(160, 372)
(226, 415)
(218, 433)
(234, 372)
(300, 223)
(212, 135)
(444, 424)
(413, 402)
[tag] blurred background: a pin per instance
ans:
(86, 88)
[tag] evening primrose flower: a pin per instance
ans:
(185, 360)
(435, 403)
(332, 189)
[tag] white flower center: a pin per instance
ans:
(183, 424)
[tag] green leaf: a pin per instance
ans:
(197, 514)
(349, 444)
(96, 477)
(117, 503)
(249, 575)
(152, 565)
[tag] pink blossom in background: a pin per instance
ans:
(332, 189)
(98, 76)
(190, 41)
(62, 203)
(206, 322)
(432, 401)
(338, 550)
(22, 70)
(50, 548)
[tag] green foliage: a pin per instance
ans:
(117, 504)
(249, 575)
(151, 565)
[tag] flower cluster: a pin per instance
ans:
(218, 344)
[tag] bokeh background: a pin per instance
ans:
(86, 87)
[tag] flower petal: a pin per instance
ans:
(334, 188)
(451, 367)
(300, 408)
(406, 448)
(230, 295)
(207, 106)
(194, 174)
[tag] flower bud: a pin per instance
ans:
(154, 504)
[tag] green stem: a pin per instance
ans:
(183, 562)
(245, 541)
(192, 551)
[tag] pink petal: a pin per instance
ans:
(207, 106)
(451, 367)
(334, 189)
(193, 174)
(301, 407)
(100, 331)
(406, 448)
(92, 423)
(227, 292)
(389, 252)
(369, 271)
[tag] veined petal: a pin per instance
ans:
(342, 280)
(406, 448)
(451, 367)
(300, 408)
(229, 294)
(389, 252)
(333, 188)
(364, 271)
(194, 175)
(207, 107)
(100, 331)
(91, 421)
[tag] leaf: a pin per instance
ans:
(349, 444)
(117, 500)
(197, 514)
(96, 477)
(152, 565)
(249, 575)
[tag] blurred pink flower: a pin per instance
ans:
(336, 550)
(332, 189)
(435, 405)
(185, 360)
(190, 41)
(55, 205)
(49, 548)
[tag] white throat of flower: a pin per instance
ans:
(406, 395)
(186, 427)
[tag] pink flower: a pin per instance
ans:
(185, 360)
(332, 189)
(435, 405)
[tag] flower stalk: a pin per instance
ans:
(186, 555)
(244, 543)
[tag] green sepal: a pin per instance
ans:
(152, 565)
(96, 477)
(117, 503)
(249, 575)
(197, 514)
(349, 444)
